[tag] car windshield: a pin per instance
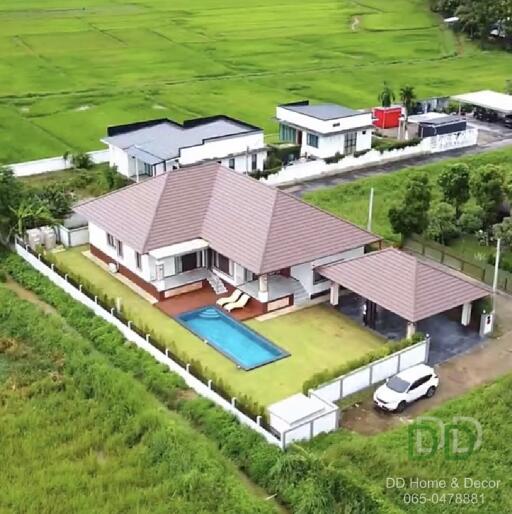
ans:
(397, 384)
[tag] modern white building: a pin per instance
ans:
(323, 130)
(150, 148)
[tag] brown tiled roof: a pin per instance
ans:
(257, 226)
(401, 283)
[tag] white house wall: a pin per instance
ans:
(323, 126)
(304, 272)
(119, 158)
(98, 238)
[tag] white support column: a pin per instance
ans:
(466, 314)
(136, 169)
(411, 329)
(335, 293)
(263, 288)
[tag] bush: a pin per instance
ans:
(325, 376)
(337, 157)
(388, 144)
(81, 160)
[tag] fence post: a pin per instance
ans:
(399, 362)
(147, 338)
(209, 383)
(66, 277)
(311, 431)
(341, 389)
(52, 266)
(112, 311)
(427, 347)
(233, 401)
(166, 352)
(258, 420)
(95, 299)
(371, 373)
(39, 256)
(187, 367)
(130, 324)
(80, 287)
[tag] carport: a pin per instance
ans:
(410, 288)
(490, 100)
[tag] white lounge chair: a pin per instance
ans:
(233, 297)
(241, 302)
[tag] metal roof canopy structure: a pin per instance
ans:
(297, 408)
(499, 102)
(403, 284)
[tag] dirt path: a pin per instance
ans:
(482, 365)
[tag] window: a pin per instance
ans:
(138, 260)
(110, 240)
(317, 278)
(119, 247)
(254, 162)
(148, 169)
(336, 124)
(363, 132)
(222, 263)
(350, 142)
(288, 134)
(420, 382)
(312, 140)
(232, 163)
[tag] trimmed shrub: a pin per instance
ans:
(327, 375)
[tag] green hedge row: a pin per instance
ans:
(327, 375)
(302, 481)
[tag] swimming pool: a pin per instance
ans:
(244, 346)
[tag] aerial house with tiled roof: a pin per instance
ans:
(209, 227)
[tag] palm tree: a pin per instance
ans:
(386, 96)
(408, 98)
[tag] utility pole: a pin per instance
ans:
(496, 274)
(370, 211)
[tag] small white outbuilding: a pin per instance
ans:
(300, 417)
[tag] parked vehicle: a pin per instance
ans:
(508, 121)
(485, 115)
(406, 387)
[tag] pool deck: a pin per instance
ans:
(202, 297)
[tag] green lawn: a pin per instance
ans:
(76, 66)
(317, 338)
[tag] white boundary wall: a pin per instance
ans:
(301, 171)
(25, 169)
(133, 337)
(373, 373)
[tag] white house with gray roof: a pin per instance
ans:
(323, 130)
(153, 147)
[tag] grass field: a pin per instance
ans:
(79, 435)
(317, 338)
(76, 66)
(376, 458)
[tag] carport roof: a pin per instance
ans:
(499, 102)
(401, 283)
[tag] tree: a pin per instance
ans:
(454, 184)
(503, 231)
(442, 225)
(489, 188)
(471, 219)
(411, 215)
(57, 200)
(10, 197)
(386, 96)
(30, 214)
(408, 98)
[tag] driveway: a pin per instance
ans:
(482, 364)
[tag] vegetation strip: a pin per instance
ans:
(300, 480)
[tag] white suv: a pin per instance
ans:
(406, 387)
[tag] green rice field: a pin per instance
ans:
(72, 67)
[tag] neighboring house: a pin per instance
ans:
(324, 130)
(207, 226)
(150, 148)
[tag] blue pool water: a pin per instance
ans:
(236, 341)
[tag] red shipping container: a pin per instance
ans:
(387, 117)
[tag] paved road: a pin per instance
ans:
(492, 138)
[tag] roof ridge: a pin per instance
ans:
(216, 168)
(269, 228)
(157, 204)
